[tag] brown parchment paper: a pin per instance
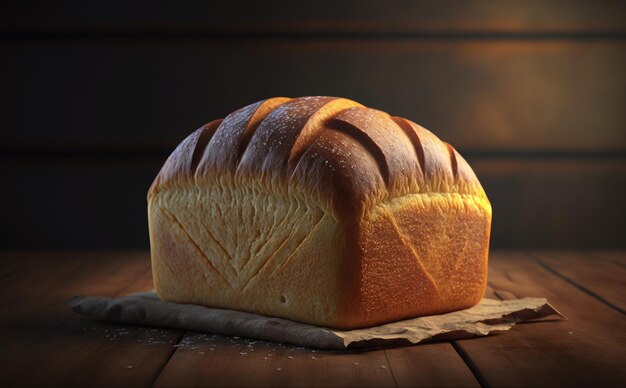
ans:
(147, 309)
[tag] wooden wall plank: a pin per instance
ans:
(477, 95)
(320, 16)
(91, 203)
(555, 203)
(76, 203)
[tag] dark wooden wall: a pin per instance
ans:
(96, 94)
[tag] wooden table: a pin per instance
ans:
(43, 343)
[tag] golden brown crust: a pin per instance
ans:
(349, 155)
(419, 255)
(183, 162)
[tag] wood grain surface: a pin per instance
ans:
(585, 350)
(44, 343)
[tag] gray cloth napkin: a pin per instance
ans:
(146, 308)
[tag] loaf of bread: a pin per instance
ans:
(319, 210)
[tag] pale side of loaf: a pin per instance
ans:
(319, 210)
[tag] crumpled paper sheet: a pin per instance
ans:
(146, 308)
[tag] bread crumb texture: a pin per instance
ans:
(320, 210)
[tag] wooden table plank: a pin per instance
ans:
(40, 333)
(602, 278)
(223, 360)
(587, 350)
(428, 365)
(617, 257)
(34, 298)
(202, 357)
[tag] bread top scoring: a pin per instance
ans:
(331, 149)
